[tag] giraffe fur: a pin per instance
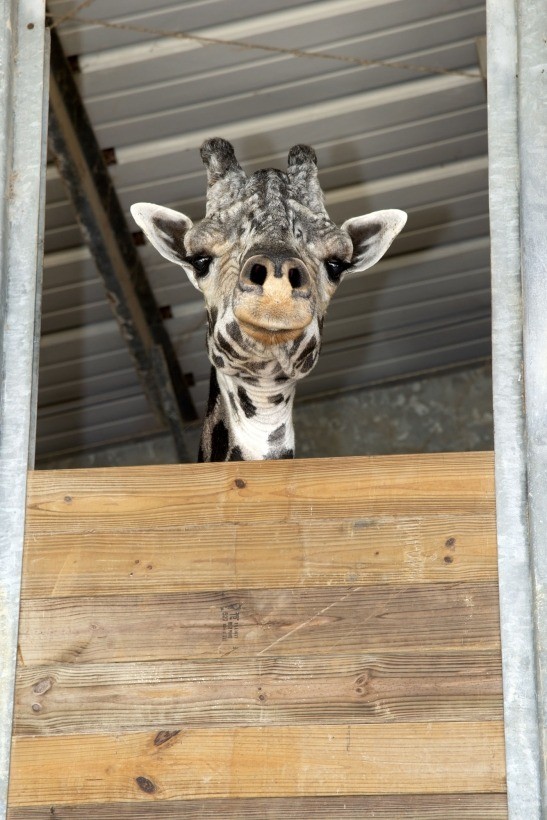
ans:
(267, 259)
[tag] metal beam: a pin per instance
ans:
(80, 162)
(518, 168)
(23, 124)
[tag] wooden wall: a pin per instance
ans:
(261, 640)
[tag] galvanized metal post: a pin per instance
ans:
(532, 49)
(23, 104)
(518, 205)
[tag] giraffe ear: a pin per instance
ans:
(372, 235)
(166, 230)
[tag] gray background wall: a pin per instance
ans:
(447, 411)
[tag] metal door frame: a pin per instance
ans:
(517, 145)
(24, 67)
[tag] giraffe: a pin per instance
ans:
(267, 259)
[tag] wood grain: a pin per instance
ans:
(331, 689)
(260, 762)
(266, 640)
(320, 620)
(434, 548)
(386, 807)
(104, 500)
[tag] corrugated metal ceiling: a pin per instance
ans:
(385, 137)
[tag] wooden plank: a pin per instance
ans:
(432, 758)
(389, 549)
(331, 689)
(308, 638)
(319, 620)
(164, 497)
(388, 807)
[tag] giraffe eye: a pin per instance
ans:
(335, 268)
(200, 264)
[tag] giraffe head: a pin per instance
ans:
(266, 257)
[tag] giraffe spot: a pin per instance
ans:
(248, 407)
(296, 344)
(280, 454)
(277, 435)
(211, 319)
(310, 348)
(233, 403)
(234, 331)
(219, 442)
(277, 399)
(308, 363)
(226, 347)
(236, 455)
(214, 392)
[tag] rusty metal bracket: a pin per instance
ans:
(82, 166)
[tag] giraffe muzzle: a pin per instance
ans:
(278, 275)
(273, 297)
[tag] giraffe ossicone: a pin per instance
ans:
(267, 259)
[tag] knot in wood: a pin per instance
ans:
(164, 736)
(42, 686)
(145, 784)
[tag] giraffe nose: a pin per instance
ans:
(278, 276)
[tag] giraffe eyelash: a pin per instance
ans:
(335, 268)
(200, 263)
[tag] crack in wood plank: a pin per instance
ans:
(309, 620)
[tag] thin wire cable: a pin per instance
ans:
(71, 14)
(293, 52)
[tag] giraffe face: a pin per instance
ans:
(266, 257)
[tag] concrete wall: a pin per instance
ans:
(449, 411)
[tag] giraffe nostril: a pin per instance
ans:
(295, 278)
(258, 274)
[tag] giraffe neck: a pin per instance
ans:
(248, 418)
